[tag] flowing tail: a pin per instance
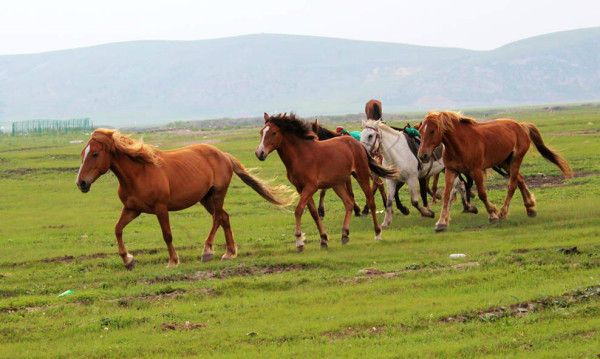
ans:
(279, 195)
(547, 153)
(379, 170)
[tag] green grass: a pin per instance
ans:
(274, 302)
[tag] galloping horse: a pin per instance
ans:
(393, 144)
(313, 165)
(154, 181)
(471, 147)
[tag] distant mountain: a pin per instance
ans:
(145, 82)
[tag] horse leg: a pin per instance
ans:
(305, 195)
(363, 176)
(413, 185)
(528, 197)
(465, 193)
(162, 213)
(383, 193)
(512, 184)
(442, 223)
(321, 203)
(423, 190)
(355, 207)
(207, 253)
(478, 177)
(317, 219)
(434, 188)
(127, 215)
(376, 180)
(388, 205)
(404, 210)
(342, 192)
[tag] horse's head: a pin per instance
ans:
(431, 131)
(270, 138)
(370, 136)
(95, 160)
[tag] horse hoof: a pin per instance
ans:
(431, 214)
(345, 239)
(378, 237)
(324, 245)
(494, 219)
(441, 227)
(405, 211)
(173, 264)
(131, 264)
(206, 257)
(300, 249)
(531, 212)
(472, 209)
(228, 256)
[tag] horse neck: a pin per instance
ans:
(452, 144)
(292, 151)
(390, 141)
(125, 169)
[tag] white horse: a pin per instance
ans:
(377, 136)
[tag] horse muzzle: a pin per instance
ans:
(84, 186)
(261, 155)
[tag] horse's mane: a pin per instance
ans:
(448, 120)
(120, 143)
(322, 132)
(293, 125)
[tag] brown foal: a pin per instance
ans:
(313, 165)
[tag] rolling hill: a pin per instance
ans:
(148, 82)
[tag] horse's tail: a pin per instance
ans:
(546, 152)
(379, 170)
(279, 195)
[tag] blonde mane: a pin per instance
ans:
(120, 143)
(447, 120)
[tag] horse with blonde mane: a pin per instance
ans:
(156, 182)
(472, 147)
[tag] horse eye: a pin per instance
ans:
(370, 136)
(273, 133)
(95, 154)
(431, 132)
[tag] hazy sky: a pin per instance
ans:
(35, 26)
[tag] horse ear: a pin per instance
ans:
(266, 116)
(364, 123)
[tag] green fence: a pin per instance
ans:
(48, 126)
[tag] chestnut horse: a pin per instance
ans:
(154, 181)
(313, 165)
(472, 147)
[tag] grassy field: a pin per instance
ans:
(514, 294)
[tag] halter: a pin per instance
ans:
(378, 137)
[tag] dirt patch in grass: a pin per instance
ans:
(70, 258)
(18, 172)
(240, 271)
(541, 180)
(368, 273)
(361, 331)
(524, 308)
(182, 326)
